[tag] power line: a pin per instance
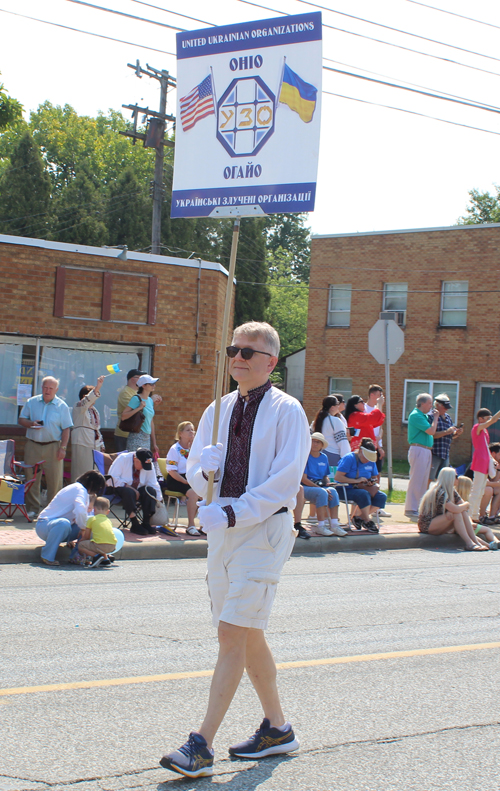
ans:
(176, 13)
(414, 90)
(397, 30)
(411, 112)
(380, 41)
(130, 16)
(86, 32)
(413, 84)
(452, 13)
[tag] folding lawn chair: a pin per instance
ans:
(102, 462)
(13, 487)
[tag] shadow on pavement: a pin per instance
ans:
(245, 778)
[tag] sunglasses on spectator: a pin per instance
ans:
(246, 353)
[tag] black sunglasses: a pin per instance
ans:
(246, 353)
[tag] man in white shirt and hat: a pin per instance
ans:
(258, 463)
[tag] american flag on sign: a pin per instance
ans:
(197, 104)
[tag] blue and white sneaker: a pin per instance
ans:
(266, 741)
(193, 759)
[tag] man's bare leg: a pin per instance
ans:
(227, 675)
(261, 669)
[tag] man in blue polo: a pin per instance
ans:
(47, 419)
(420, 439)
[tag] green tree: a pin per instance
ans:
(287, 309)
(289, 232)
(79, 212)
(10, 109)
(483, 208)
(128, 212)
(25, 191)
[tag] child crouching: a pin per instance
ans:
(98, 537)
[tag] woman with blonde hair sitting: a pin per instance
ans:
(176, 471)
(442, 510)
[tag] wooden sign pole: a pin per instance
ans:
(223, 344)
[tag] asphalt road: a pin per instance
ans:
(419, 722)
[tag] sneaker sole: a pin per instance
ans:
(205, 771)
(278, 749)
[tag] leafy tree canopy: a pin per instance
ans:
(483, 208)
(10, 109)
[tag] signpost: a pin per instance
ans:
(386, 342)
(248, 124)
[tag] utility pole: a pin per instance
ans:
(154, 138)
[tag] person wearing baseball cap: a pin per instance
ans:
(142, 402)
(359, 474)
(124, 397)
(446, 432)
(134, 481)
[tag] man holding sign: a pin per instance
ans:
(258, 463)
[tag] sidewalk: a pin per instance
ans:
(20, 544)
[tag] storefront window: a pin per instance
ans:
(74, 363)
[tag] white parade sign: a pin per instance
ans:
(378, 346)
(248, 117)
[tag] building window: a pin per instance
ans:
(454, 303)
(395, 296)
(413, 387)
(25, 361)
(339, 306)
(342, 386)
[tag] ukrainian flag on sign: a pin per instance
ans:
(299, 95)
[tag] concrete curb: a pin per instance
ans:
(153, 550)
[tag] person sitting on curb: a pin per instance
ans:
(98, 538)
(134, 480)
(463, 486)
(358, 473)
(442, 510)
(315, 482)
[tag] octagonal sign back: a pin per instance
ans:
(245, 116)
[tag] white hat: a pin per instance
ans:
(146, 379)
(319, 436)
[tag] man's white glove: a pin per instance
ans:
(211, 458)
(212, 517)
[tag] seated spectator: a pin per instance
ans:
(442, 510)
(463, 486)
(176, 471)
(357, 418)
(134, 481)
(67, 514)
(358, 472)
(98, 538)
(315, 483)
(328, 423)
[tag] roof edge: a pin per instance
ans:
(473, 226)
(112, 252)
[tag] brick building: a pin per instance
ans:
(70, 310)
(443, 284)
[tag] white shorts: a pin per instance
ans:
(244, 568)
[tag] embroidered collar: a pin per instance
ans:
(256, 392)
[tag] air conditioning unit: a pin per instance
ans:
(399, 316)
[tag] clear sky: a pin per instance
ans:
(379, 168)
